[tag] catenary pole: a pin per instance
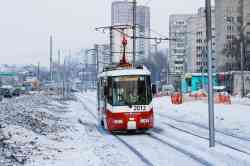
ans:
(57, 71)
(111, 43)
(51, 58)
(210, 74)
(134, 31)
(38, 76)
(242, 66)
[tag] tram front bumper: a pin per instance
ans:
(129, 121)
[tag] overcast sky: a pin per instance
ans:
(25, 25)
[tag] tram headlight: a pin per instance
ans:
(118, 121)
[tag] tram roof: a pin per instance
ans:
(125, 72)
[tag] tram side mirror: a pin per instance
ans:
(153, 89)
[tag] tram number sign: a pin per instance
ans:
(139, 108)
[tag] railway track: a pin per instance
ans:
(239, 147)
(240, 144)
(121, 140)
(246, 139)
(195, 157)
(205, 138)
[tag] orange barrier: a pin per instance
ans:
(176, 98)
(223, 99)
(198, 96)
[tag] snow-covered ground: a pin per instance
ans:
(180, 136)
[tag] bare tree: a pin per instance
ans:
(156, 64)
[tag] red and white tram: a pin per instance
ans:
(125, 98)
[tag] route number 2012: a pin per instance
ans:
(139, 108)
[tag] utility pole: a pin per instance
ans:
(63, 92)
(167, 68)
(111, 43)
(86, 71)
(38, 71)
(134, 31)
(51, 58)
(242, 66)
(82, 76)
(97, 60)
(38, 76)
(242, 51)
(210, 74)
(204, 53)
(58, 71)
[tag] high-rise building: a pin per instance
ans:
(246, 21)
(122, 14)
(230, 17)
(177, 47)
(178, 31)
(196, 52)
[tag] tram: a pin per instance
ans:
(125, 97)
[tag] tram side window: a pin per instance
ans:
(109, 91)
(148, 85)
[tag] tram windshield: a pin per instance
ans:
(131, 90)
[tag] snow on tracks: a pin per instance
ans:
(205, 138)
(144, 153)
(103, 133)
(195, 157)
(247, 139)
(237, 143)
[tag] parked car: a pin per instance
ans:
(16, 92)
(7, 91)
(73, 90)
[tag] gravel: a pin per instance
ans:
(37, 114)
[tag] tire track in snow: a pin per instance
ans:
(130, 147)
(246, 139)
(205, 138)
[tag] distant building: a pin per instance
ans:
(104, 56)
(230, 16)
(246, 20)
(177, 47)
(122, 14)
(178, 31)
(196, 53)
